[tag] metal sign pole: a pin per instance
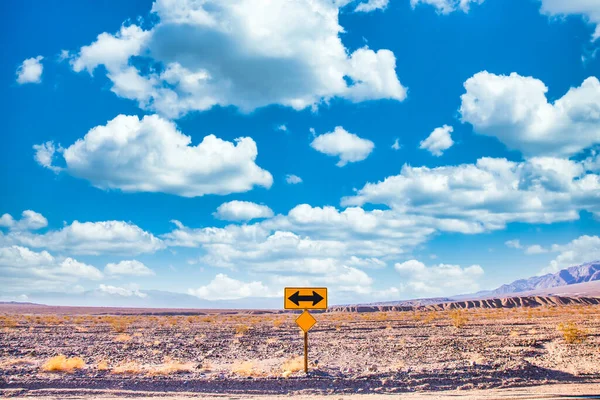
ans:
(306, 352)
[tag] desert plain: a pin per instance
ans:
(57, 352)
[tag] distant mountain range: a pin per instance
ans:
(577, 274)
(584, 280)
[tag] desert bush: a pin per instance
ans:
(171, 367)
(127, 367)
(118, 324)
(458, 318)
(571, 333)
(246, 368)
(102, 365)
(292, 365)
(61, 363)
(8, 322)
(241, 330)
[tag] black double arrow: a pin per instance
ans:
(296, 298)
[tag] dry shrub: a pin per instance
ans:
(278, 323)
(458, 318)
(571, 333)
(61, 363)
(429, 318)
(123, 338)
(118, 324)
(102, 365)
(246, 368)
(292, 365)
(241, 330)
(171, 367)
(8, 322)
(127, 367)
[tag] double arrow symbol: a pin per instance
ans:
(296, 298)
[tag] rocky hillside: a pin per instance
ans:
(577, 274)
(507, 302)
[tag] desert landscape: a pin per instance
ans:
(58, 351)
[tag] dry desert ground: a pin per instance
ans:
(53, 351)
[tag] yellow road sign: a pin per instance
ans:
(306, 321)
(305, 298)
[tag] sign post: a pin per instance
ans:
(305, 299)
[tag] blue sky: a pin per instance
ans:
(438, 147)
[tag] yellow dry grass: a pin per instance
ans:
(127, 367)
(61, 363)
(458, 318)
(102, 365)
(292, 365)
(572, 333)
(246, 368)
(171, 367)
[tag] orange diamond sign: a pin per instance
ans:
(306, 321)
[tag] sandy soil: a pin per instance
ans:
(350, 353)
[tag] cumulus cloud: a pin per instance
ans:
(590, 10)
(535, 249)
(579, 251)
(293, 179)
(438, 141)
(128, 268)
(447, 6)
(44, 155)
(372, 5)
(30, 71)
(243, 53)
(30, 220)
(121, 291)
(439, 279)
(515, 110)
(223, 287)
(242, 211)
(151, 155)
(105, 237)
(396, 145)
(23, 269)
(490, 193)
(343, 144)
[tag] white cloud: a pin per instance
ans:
(535, 249)
(513, 244)
(112, 51)
(282, 128)
(438, 141)
(340, 143)
(447, 6)
(293, 179)
(579, 251)
(128, 268)
(121, 291)
(44, 155)
(23, 269)
(515, 110)
(589, 9)
(372, 5)
(242, 211)
(30, 220)
(30, 71)
(490, 193)
(245, 53)
(396, 145)
(106, 237)
(151, 155)
(223, 287)
(438, 279)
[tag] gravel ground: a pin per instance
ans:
(350, 353)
